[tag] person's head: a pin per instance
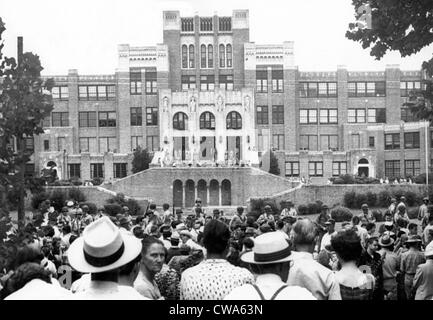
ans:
(179, 213)
(174, 239)
(388, 216)
(393, 200)
(401, 223)
(413, 228)
(165, 206)
(185, 235)
(102, 250)
(198, 202)
(355, 220)
(270, 255)
(130, 270)
(138, 232)
(372, 244)
(364, 208)
(216, 236)
(325, 209)
(347, 245)
(402, 199)
(64, 211)
(248, 243)
(413, 241)
(387, 242)
(425, 200)
(279, 225)
(240, 210)
(125, 222)
(85, 209)
(371, 228)
(152, 207)
(330, 225)
(268, 209)
(153, 255)
(401, 209)
(216, 213)
(28, 253)
(25, 273)
(66, 229)
(304, 234)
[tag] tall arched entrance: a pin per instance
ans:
(202, 192)
(226, 193)
(363, 168)
(177, 193)
(189, 193)
(214, 193)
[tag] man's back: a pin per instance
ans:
(212, 279)
(308, 273)
(423, 281)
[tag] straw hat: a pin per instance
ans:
(270, 247)
(429, 250)
(102, 248)
(386, 241)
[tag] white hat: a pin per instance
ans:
(102, 248)
(186, 233)
(70, 203)
(429, 250)
(270, 247)
(180, 227)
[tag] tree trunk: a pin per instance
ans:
(21, 189)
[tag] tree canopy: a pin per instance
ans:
(25, 100)
(141, 160)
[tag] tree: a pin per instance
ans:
(273, 164)
(25, 100)
(141, 160)
(403, 26)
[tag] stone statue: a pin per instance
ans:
(165, 104)
(192, 104)
(220, 103)
(247, 103)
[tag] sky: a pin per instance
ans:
(84, 34)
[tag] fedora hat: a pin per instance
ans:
(102, 248)
(429, 250)
(185, 233)
(413, 239)
(270, 247)
(386, 241)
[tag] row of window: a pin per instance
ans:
(312, 142)
(306, 89)
(392, 168)
(277, 77)
(411, 140)
(315, 168)
(135, 82)
(97, 170)
(207, 82)
(207, 121)
(206, 24)
(309, 116)
(225, 56)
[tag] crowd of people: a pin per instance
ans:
(197, 255)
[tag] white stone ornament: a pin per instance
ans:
(192, 104)
(165, 104)
(220, 103)
(247, 103)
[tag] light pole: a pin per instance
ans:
(426, 153)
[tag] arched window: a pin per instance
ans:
(184, 56)
(214, 193)
(203, 56)
(210, 56)
(191, 56)
(229, 55)
(180, 121)
(226, 193)
(222, 56)
(177, 193)
(207, 121)
(363, 161)
(234, 120)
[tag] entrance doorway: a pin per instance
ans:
(363, 168)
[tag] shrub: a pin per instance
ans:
(366, 180)
(412, 198)
(76, 181)
(383, 200)
(412, 213)
(349, 199)
(348, 178)
(64, 183)
(134, 208)
(112, 209)
(360, 199)
(58, 198)
(398, 193)
(340, 214)
(421, 178)
(371, 199)
(377, 214)
(77, 195)
(302, 210)
(337, 180)
(93, 209)
(313, 208)
(257, 206)
(97, 181)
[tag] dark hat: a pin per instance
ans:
(216, 211)
(386, 241)
(164, 227)
(364, 205)
(178, 211)
(124, 221)
(265, 228)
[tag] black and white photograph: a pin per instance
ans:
(228, 152)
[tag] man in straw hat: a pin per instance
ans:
(101, 251)
(423, 281)
(390, 266)
(423, 212)
(270, 260)
(410, 260)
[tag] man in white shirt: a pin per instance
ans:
(270, 260)
(326, 239)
